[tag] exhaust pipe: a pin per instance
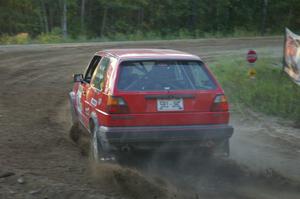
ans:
(125, 149)
(108, 159)
(210, 144)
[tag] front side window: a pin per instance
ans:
(98, 77)
(158, 75)
(91, 68)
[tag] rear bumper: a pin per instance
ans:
(154, 136)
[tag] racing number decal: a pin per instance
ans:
(94, 102)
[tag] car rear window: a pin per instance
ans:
(158, 75)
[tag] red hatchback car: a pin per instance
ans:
(142, 99)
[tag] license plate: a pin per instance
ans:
(170, 104)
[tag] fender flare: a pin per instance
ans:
(93, 118)
(73, 110)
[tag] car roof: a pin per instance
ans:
(142, 53)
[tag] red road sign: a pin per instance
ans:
(251, 56)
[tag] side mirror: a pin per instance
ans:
(78, 77)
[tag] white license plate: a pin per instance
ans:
(170, 104)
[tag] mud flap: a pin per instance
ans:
(222, 149)
(104, 154)
(103, 147)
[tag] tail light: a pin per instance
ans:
(220, 104)
(116, 105)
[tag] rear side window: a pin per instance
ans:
(98, 77)
(158, 75)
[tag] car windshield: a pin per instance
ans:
(157, 75)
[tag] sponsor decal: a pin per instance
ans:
(87, 110)
(99, 101)
(94, 102)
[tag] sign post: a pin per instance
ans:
(251, 58)
(291, 62)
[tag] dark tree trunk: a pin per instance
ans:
(51, 20)
(64, 20)
(193, 17)
(140, 18)
(44, 16)
(290, 16)
(104, 22)
(82, 15)
(264, 17)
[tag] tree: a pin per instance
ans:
(264, 16)
(82, 15)
(64, 20)
(111, 18)
(44, 16)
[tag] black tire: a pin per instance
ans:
(74, 115)
(133, 158)
(75, 132)
(75, 128)
(207, 153)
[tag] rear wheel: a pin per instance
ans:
(75, 128)
(133, 157)
(207, 152)
(75, 132)
(74, 115)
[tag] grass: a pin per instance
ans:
(21, 38)
(55, 36)
(271, 92)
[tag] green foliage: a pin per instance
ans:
(145, 19)
(271, 92)
(53, 37)
(21, 38)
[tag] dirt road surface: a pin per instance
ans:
(39, 160)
